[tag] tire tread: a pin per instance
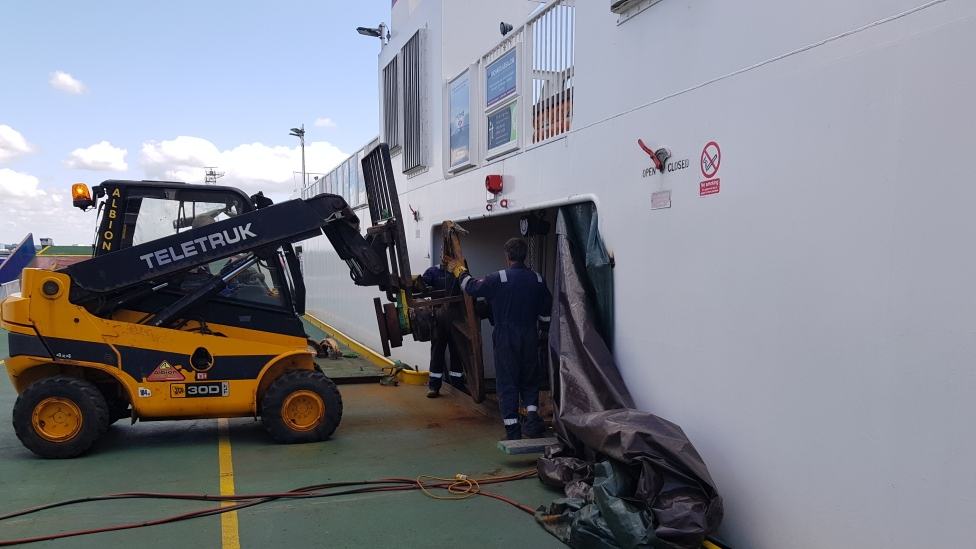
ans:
(94, 409)
(289, 382)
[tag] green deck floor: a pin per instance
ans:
(385, 432)
(350, 367)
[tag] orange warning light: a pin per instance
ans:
(81, 196)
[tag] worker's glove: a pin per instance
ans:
(418, 285)
(455, 267)
(543, 338)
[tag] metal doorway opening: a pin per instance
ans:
(483, 250)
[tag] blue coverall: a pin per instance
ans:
(436, 278)
(521, 304)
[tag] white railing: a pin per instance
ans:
(553, 36)
(527, 81)
(9, 288)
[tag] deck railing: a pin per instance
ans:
(345, 180)
(552, 33)
(541, 104)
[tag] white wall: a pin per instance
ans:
(811, 327)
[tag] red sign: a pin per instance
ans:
(711, 158)
(165, 372)
(706, 188)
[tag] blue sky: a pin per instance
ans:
(99, 90)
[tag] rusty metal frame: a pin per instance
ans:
(412, 311)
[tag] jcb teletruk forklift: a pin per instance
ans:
(189, 308)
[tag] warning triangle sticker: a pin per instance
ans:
(165, 372)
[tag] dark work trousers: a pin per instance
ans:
(444, 341)
(521, 304)
(516, 368)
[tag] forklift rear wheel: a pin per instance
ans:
(301, 406)
(60, 416)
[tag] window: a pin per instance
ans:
(344, 181)
(260, 283)
(391, 103)
(156, 218)
(353, 181)
(414, 157)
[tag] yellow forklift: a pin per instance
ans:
(189, 308)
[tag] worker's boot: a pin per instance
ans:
(434, 387)
(534, 426)
(513, 432)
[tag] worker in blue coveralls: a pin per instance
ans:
(521, 304)
(436, 278)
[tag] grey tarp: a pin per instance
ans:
(650, 487)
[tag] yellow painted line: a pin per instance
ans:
(229, 534)
(363, 350)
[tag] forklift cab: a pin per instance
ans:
(137, 212)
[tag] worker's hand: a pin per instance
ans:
(543, 338)
(455, 267)
(418, 285)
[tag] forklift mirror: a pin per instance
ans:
(81, 196)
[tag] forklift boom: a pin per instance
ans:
(258, 231)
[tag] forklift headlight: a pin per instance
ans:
(81, 196)
(51, 288)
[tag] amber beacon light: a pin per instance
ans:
(81, 196)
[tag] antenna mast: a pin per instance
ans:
(211, 175)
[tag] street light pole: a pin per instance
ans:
(300, 134)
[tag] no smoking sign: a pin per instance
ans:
(711, 159)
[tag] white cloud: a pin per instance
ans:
(12, 144)
(102, 157)
(18, 184)
(66, 83)
(325, 123)
(29, 209)
(252, 167)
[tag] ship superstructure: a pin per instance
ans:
(782, 187)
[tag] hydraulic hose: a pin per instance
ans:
(249, 500)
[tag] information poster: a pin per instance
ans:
(460, 121)
(502, 126)
(500, 79)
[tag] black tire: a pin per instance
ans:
(60, 416)
(301, 406)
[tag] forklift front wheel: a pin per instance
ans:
(301, 406)
(60, 416)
